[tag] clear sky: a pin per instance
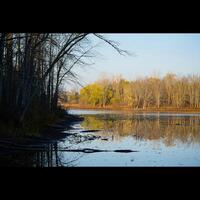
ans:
(152, 53)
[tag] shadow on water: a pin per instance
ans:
(98, 133)
(50, 157)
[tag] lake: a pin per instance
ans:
(119, 139)
(156, 139)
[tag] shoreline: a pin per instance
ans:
(126, 109)
(31, 151)
(48, 135)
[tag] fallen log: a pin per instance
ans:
(124, 151)
(88, 131)
(97, 150)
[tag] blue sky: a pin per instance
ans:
(153, 53)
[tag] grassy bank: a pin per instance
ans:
(32, 125)
(37, 138)
(35, 125)
(123, 108)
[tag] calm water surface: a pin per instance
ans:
(161, 139)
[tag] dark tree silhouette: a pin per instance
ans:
(32, 68)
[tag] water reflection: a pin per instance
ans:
(150, 134)
(169, 129)
(50, 157)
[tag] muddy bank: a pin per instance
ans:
(128, 109)
(48, 135)
(55, 131)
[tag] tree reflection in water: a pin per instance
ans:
(50, 157)
(171, 129)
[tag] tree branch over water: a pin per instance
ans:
(33, 66)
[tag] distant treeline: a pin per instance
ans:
(171, 91)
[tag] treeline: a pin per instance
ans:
(171, 91)
(33, 67)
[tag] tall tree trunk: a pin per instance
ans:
(2, 43)
(8, 89)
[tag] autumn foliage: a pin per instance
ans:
(171, 91)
